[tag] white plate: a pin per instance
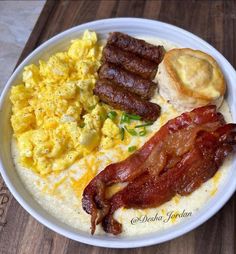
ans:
(135, 27)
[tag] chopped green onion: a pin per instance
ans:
(91, 107)
(112, 115)
(143, 125)
(132, 132)
(133, 117)
(102, 117)
(122, 133)
(132, 149)
(124, 118)
(82, 125)
(143, 132)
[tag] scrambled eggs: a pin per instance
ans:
(55, 116)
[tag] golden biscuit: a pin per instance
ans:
(190, 78)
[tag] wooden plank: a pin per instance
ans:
(38, 28)
(214, 21)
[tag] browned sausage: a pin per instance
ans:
(130, 62)
(136, 46)
(134, 83)
(119, 98)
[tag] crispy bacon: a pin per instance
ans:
(182, 155)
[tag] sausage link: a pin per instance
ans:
(137, 46)
(130, 62)
(134, 83)
(120, 98)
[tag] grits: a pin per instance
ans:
(60, 192)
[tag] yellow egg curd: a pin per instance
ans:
(56, 119)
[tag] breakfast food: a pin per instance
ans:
(140, 47)
(122, 99)
(126, 75)
(130, 62)
(184, 153)
(133, 83)
(87, 128)
(190, 78)
(53, 104)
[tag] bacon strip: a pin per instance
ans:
(156, 165)
(195, 168)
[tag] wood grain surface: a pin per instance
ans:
(214, 21)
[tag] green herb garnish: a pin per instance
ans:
(143, 132)
(91, 107)
(122, 133)
(143, 125)
(124, 118)
(132, 149)
(132, 132)
(82, 125)
(112, 115)
(102, 117)
(133, 117)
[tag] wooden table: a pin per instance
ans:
(214, 21)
